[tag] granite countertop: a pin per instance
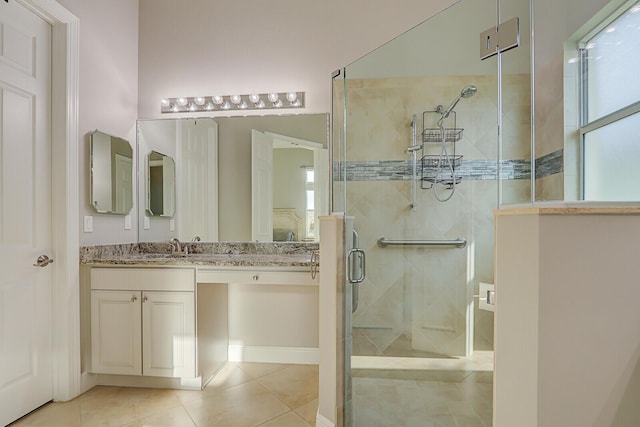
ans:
(221, 254)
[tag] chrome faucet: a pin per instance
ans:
(195, 239)
(175, 245)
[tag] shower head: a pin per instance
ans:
(467, 92)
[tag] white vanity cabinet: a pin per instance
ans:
(143, 322)
(116, 332)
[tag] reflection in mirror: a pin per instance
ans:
(284, 188)
(161, 199)
(209, 151)
(111, 174)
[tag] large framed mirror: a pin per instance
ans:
(111, 187)
(241, 178)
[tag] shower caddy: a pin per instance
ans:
(430, 174)
(429, 162)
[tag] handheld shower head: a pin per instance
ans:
(467, 92)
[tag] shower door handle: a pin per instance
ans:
(355, 257)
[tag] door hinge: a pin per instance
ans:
(500, 39)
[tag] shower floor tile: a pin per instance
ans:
(403, 392)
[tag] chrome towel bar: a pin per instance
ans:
(460, 243)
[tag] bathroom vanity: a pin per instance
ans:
(155, 319)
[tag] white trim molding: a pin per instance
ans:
(65, 195)
(266, 354)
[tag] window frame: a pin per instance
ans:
(586, 126)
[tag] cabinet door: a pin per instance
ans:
(116, 332)
(168, 334)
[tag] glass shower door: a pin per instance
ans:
(417, 171)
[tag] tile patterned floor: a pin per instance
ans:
(242, 394)
(387, 392)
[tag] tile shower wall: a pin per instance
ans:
(414, 301)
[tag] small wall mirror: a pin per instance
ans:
(111, 174)
(161, 184)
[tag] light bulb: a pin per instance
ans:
(296, 103)
(192, 107)
(254, 98)
(181, 101)
(272, 97)
(260, 104)
(199, 100)
(217, 99)
(292, 96)
(165, 103)
(242, 105)
(209, 106)
(225, 105)
(278, 103)
(235, 99)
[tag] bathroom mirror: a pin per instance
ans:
(161, 185)
(213, 164)
(111, 174)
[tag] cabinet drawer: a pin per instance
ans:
(144, 279)
(260, 277)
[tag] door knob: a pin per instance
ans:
(43, 261)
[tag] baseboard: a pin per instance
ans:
(264, 354)
(323, 422)
(149, 382)
(87, 382)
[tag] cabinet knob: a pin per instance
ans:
(144, 299)
(255, 277)
(134, 298)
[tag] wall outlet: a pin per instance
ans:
(172, 225)
(147, 223)
(88, 224)
(127, 222)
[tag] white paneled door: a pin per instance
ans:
(26, 371)
(261, 187)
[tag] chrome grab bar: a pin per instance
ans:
(460, 243)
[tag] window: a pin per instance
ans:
(610, 108)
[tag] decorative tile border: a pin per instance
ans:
(550, 164)
(401, 170)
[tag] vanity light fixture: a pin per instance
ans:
(254, 101)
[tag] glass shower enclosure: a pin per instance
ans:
(427, 141)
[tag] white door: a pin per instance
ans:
(261, 187)
(124, 183)
(26, 370)
(116, 332)
(198, 180)
(168, 333)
